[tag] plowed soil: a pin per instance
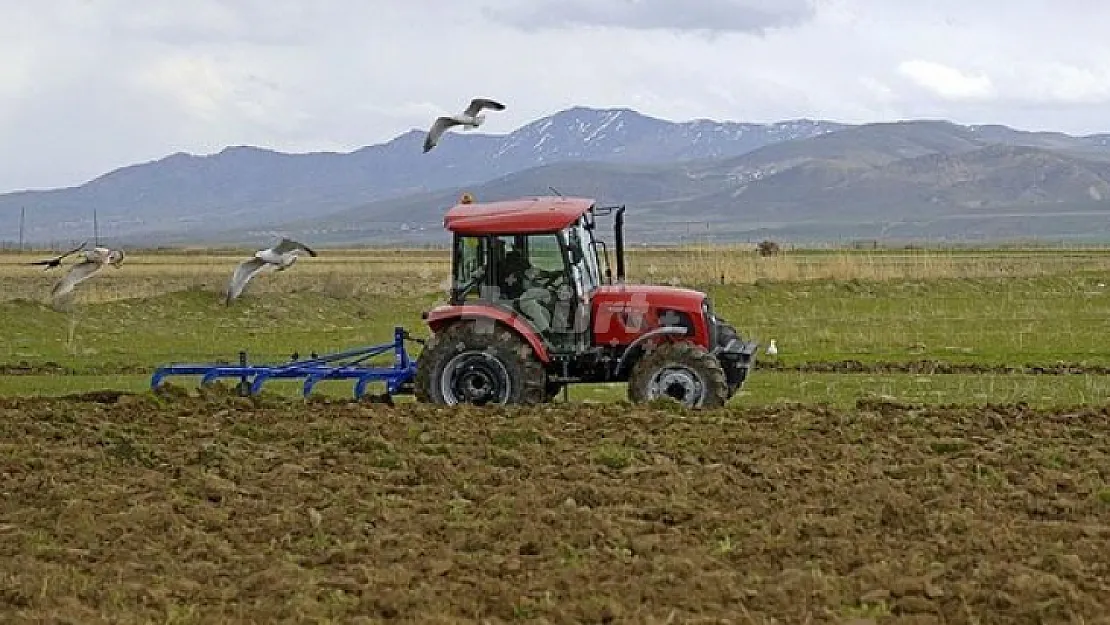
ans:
(127, 509)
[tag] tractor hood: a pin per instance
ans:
(653, 296)
(623, 313)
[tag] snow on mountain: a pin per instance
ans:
(623, 135)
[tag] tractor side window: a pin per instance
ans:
(470, 257)
(533, 284)
(511, 262)
(544, 253)
(528, 262)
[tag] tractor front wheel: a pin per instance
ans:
(684, 372)
(469, 364)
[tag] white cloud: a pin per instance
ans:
(755, 16)
(195, 85)
(90, 85)
(1063, 84)
(948, 82)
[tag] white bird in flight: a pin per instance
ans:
(468, 119)
(279, 257)
(94, 262)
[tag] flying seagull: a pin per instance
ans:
(468, 119)
(279, 257)
(94, 262)
(51, 263)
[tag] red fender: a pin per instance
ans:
(442, 315)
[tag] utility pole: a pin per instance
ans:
(22, 217)
(96, 230)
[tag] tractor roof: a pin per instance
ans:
(519, 216)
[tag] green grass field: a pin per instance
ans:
(992, 308)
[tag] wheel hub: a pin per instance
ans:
(475, 377)
(679, 383)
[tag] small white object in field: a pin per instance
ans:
(468, 119)
(772, 349)
(94, 262)
(279, 257)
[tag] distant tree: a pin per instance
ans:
(768, 248)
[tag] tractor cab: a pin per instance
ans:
(535, 258)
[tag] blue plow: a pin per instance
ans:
(346, 365)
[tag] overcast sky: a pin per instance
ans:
(90, 85)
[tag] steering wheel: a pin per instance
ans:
(551, 278)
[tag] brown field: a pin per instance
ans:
(221, 509)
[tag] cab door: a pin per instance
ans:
(584, 278)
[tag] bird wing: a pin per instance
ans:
(79, 273)
(58, 259)
(288, 245)
(477, 104)
(438, 128)
(242, 275)
(74, 250)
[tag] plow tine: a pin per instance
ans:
(360, 386)
(309, 382)
(259, 380)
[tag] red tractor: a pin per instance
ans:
(533, 309)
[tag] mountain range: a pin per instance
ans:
(806, 180)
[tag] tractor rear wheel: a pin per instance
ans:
(466, 365)
(684, 372)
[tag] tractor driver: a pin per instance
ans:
(530, 288)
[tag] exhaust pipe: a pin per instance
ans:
(618, 235)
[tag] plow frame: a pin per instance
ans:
(345, 365)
